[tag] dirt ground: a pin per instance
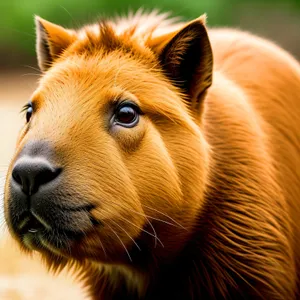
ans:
(21, 277)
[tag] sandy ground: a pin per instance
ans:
(21, 277)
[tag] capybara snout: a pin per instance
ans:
(32, 173)
(37, 192)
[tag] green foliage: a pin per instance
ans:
(17, 26)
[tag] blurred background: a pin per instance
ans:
(276, 19)
(279, 20)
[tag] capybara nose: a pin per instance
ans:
(30, 173)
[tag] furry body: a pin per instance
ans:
(211, 171)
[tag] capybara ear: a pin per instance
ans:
(186, 57)
(51, 41)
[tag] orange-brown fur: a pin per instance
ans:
(212, 172)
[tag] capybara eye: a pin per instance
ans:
(29, 114)
(28, 110)
(127, 115)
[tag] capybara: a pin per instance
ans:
(161, 160)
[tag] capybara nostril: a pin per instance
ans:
(31, 173)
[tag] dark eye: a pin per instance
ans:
(127, 115)
(29, 114)
(28, 110)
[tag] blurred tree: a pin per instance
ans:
(17, 26)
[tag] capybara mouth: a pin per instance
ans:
(35, 233)
(30, 224)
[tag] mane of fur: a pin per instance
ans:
(139, 25)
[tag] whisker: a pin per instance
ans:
(102, 246)
(33, 68)
(31, 74)
(74, 22)
(163, 221)
(153, 229)
(154, 218)
(155, 234)
(176, 224)
(121, 242)
(144, 231)
(127, 234)
(164, 215)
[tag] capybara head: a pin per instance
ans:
(111, 158)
